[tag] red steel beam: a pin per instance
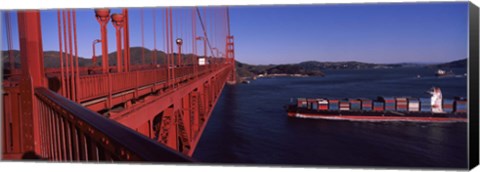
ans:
(188, 105)
(136, 116)
(31, 54)
(98, 138)
(118, 22)
(103, 16)
(9, 41)
(202, 127)
(134, 120)
(126, 41)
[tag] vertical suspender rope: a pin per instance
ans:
(205, 27)
(67, 73)
(167, 44)
(77, 71)
(171, 43)
(178, 31)
(194, 44)
(154, 59)
(214, 34)
(143, 41)
(62, 77)
(165, 37)
(72, 72)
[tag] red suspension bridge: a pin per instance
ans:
(130, 106)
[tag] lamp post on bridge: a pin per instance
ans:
(216, 53)
(179, 42)
(220, 54)
(103, 15)
(204, 47)
(117, 22)
(94, 57)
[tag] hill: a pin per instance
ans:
(307, 68)
(52, 58)
(462, 63)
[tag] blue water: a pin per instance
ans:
(249, 125)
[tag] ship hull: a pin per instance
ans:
(376, 116)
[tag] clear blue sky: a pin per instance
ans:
(380, 33)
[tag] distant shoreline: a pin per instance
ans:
(281, 75)
(316, 68)
(248, 79)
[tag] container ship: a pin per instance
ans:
(431, 109)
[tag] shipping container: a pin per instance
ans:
(333, 107)
(322, 101)
(333, 104)
(460, 106)
(426, 109)
(425, 105)
(447, 105)
(355, 105)
(322, 104)
(312, 103)
(302, 102)
(387, 99)
(448, 110)
(390, 108)
(401, 104)
(344, 105)
(413, 105)
(425, 100)
(378, 106)
(448, 101)
(366, 104)
(322, 107)
(389, 103)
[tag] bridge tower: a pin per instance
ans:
(230, 51)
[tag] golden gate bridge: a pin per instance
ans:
(114, 109)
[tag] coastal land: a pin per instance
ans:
(245, 72)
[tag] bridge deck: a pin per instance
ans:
(102, 112)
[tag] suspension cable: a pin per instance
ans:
(204, 31)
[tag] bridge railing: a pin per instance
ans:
(94, 86)
(147, 77)
(72, 132)
(123, 81)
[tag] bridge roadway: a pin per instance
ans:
(172, 112)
